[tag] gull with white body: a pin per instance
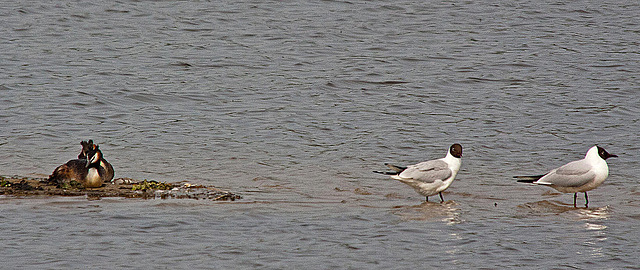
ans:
(430, 177)
(576, 176)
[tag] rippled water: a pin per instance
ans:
(293, 104)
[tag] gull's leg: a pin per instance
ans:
(586, 200)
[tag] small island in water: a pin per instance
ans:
(20, 186)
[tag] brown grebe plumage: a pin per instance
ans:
(87, 172)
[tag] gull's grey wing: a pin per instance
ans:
(428, 171)
(573, 174)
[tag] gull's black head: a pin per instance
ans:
(604, 154)
(456, 150)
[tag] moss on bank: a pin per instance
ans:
(120, 187)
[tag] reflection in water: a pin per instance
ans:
(430, 211)
(599, 233)
(594, 213)
(560, 208)
(591, 226)
(593, 236)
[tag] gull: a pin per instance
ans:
(430, 177)
(576, 176)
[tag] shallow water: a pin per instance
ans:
(292, 105)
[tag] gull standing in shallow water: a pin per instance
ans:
(430, 177)
(576, 176)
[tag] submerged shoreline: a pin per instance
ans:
(21, 186)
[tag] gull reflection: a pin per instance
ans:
(599, 233)
(430, 211)
(560, 208)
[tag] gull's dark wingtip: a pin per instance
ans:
(528, 178)
(386, 173)
(396, 168)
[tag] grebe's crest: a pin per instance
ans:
(86, 147)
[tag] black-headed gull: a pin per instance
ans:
(576, 176)
(430, 177)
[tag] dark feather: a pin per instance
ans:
(528, 178)
(386, 173)
(398, 169)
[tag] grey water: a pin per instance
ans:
(293, 104)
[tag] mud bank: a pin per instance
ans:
(19, 186)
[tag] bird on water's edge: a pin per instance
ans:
(576, 176)
(430, 177)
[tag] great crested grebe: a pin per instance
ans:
(87, 172)
(88, 146)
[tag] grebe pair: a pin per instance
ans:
(90, 169)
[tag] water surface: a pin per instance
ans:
(292, 105)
